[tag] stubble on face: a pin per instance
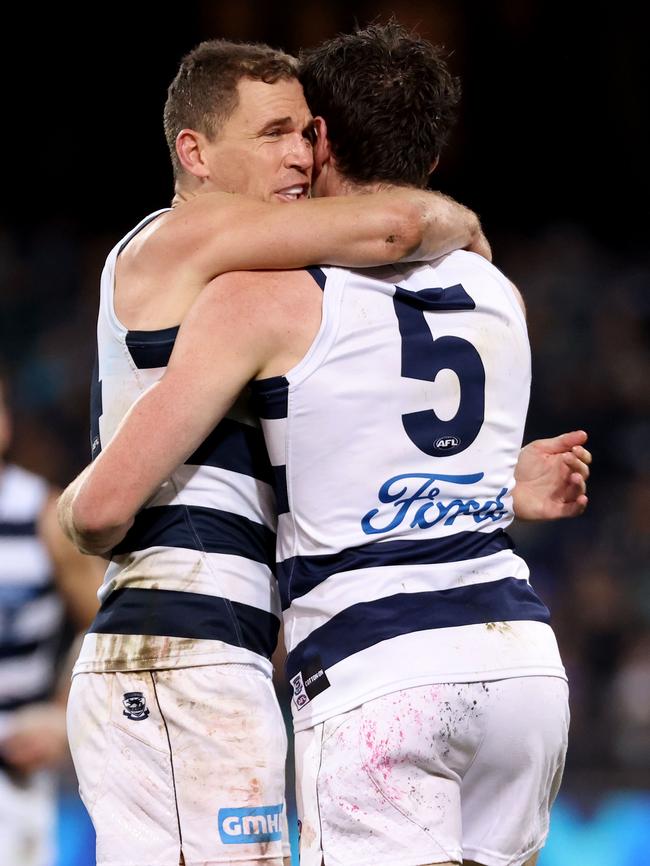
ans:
(264, 149)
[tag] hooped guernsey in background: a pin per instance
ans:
(43, 580)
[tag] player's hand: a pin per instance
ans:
(36, 738)
(551, 478)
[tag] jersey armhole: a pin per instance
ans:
(331, 281)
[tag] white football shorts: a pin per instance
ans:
(434, 774)
(187, 760)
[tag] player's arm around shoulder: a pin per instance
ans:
(217, 232)
(234, 331)
(255, 323)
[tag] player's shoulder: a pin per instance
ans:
(264, 285)
(146, 237)
(470, 263)
(479, 277)
(266, 299)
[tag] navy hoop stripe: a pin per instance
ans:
(11, 704)
(150, 349)
(237, 447)
(26, 648)
(300, 574)
(364, 625)
(171, 613)
(280, 488)
(18, 529)
(271, 397)
(196, 528)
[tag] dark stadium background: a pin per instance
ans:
(551, 150)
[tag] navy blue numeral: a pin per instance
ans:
(423, 358)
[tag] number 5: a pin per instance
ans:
(423, 358)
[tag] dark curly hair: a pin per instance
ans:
(388, 99)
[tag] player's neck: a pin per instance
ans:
(338, 184)
(182, 195)
(190, 187)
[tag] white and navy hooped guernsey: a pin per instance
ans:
(393, 444)
(31, 612)
(192, 582)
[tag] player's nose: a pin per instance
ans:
(300, 153)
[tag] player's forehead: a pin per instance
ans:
(261, 103)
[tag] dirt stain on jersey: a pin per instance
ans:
(307, 834)
(129, 651)
(500, 627)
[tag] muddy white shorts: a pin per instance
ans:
(434, 774)
(187, 760)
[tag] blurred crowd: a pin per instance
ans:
(588, 313)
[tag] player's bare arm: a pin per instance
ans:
(217, 232)
(206, 372)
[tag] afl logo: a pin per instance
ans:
(447, 442)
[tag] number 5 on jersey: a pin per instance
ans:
(423, 357)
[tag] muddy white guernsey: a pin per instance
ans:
(179, 652)
(394, 443)
(191, 583)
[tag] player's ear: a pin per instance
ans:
(190, 152)
(434, 165)
(322, 151)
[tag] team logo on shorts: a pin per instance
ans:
(135, 706)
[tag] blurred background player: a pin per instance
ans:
(43, 582)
